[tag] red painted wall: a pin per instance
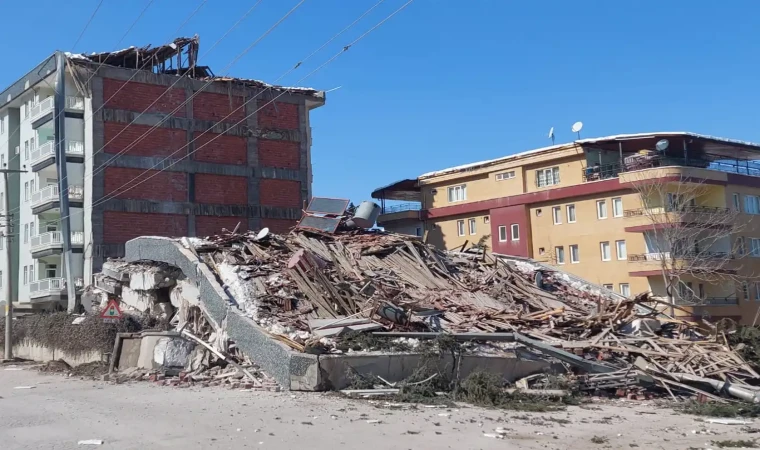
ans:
(506, 216)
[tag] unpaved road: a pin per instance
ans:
(60, 411)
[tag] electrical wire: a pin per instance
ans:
(92, 16)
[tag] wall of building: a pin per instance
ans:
(504, 242)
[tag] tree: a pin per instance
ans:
(688, 239)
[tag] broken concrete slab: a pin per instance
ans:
(138, 299)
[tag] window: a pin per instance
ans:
(502, 233)
(622, 252)
(26, 191)
(2, 240)
(557, 215)
(26, 233)
(31, 186)
(32, 233)
(617, 207)
(740, 246)
(2, 125)
(609, 287)
(2, 161)
(751, 204)
(486, 219)
(25, 275)
(418, 231)
(31, 144)
(1, 278)
(515, 232)
(737, 203)
(458, 193)
(601, 209)
(754, 247)
(24, 110)
(472, 225)
(605, 250)
(575, 256)
(50, 270)
(26, 150)
(745, 290)
(505, 175)
(547, 177)
(31, 273)
(701, 291)
(570, 213)
(559, 253)
(625, 289)
(460, 227)
(539, 212)
(757, 291)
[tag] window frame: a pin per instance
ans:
(512, 228)
(751, 204)
(627, 288)
(559, 251)
(745, 290)
(737, 202)
(600, 203)
(609, 250)
(573, 259)
(472, 227)
(461, 228)
(569, 208)
(459, 188)
(619, 201)
(503, 236)
(550, 176)
(625, 250)
(508, 175)
(557, 215)
(609, 286)
(26, 275)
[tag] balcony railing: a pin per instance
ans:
(704, 210)
(660, 256)
(632, 163)
(42, 108)
(55, 239)
(708, 301)
(402, 207)
(50, 194)
(75, 103)
(47, 286)
(47, 150)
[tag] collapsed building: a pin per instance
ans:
(298, 305)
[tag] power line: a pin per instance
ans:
(97, 8)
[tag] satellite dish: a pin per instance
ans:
(262, 234)
(662, 145)
(577, 127)
(551, 134)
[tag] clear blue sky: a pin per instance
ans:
(448, 82)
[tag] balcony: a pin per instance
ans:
(708, 301)
(660, 256)
(638, 162)
(651, 264)
(48, 198)
(402, 211)
(48, 289)
(51, 243)
(42, 112)
(44, 155)
(644, 219)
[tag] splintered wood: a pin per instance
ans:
(307, 276)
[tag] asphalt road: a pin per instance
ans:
(58, 412)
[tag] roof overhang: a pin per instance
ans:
(695, 143)
(405, 190)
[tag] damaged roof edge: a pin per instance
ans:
(34, 76)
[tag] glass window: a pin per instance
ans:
(50, 270)
(608, 286)
(751, 204)
(754, 248)
(26, 233)
(605, 250)
(617, 207)
(31, 273)
(486, 219)
(570, 213)
(460, 227)
(26, 191)
(745, 290)
(622, 252)
(472, 226)
(515, 232)
(740, 246)
(559, 253)
(625, 289)
(505, 175)
(502, 233)
(418, 231)
(737, 203)
(575, 256)
(458, 193)
(25, 275)
(547, 177)
(601, 209)
(557, 215)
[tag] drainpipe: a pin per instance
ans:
(63, 182)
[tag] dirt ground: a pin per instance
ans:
(58, 412)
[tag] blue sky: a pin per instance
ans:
(447, 82)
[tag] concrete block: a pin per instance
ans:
(187, 291)
(150, 280)
(139, 300)
(130, 353)
(172, 352)
(147, 344)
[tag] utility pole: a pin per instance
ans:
(8, 235)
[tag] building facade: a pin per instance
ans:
(588, 207)
(154, 145)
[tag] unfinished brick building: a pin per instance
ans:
(154, 145)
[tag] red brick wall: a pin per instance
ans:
(223, 149)
(158, 142)
(166, 186)
(119, 227)
(221, 189)
(212, 225)
(283, 193)
(139, 97)
(209, 106)
(278, 226)
(278, 115)
(284, 154)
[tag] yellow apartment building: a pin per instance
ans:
(581, 206)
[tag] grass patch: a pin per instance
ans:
(740, 443)
(720, 409)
